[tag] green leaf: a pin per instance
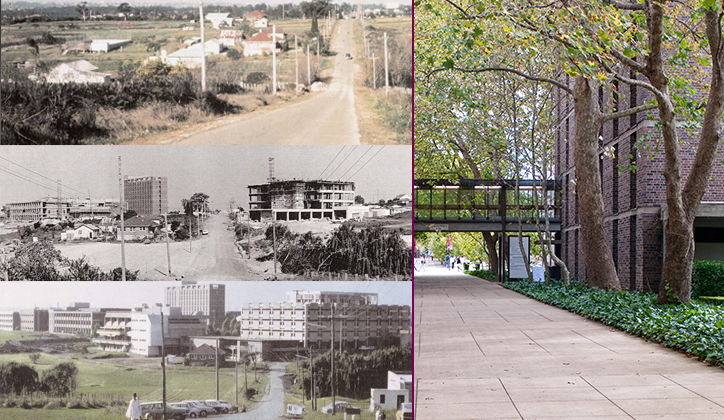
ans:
(448, 63)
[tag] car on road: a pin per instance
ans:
(225, 406)
(348, 56)
(192, 410)
(204, 232)
(205, 408)
(405, 412)
(342, 407)
(154, 410)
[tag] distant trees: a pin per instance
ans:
(82, 9)
(16, 378)
(58, 381)
(124, 9)
(359, 199)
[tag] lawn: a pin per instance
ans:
(20, 335)
(122, 380)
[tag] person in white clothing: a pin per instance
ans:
(134, 408)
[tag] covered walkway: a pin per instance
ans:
(485, 352)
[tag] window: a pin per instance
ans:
(383, 398)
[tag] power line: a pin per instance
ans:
(356, 162)
(27, 179)
(340, 163)
(373, 156)
(330, 163)
(40, 175)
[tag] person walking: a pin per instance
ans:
(447, 261)
(134, 408)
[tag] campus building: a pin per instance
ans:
(139, 331)
(34, 320)
(64, 208)
(193, 298)
(146, 195)
(78, 318)
(634, 201)
(358, 320)
(9, 321)
(300, 200)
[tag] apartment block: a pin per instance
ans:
(34, 320)
(191, 297)
(9, 321)
(351, 298)
(146, 195)
(300, 200)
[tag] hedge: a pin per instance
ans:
(707, 279)
(696, 328)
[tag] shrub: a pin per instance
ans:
(707, 279)
(234, 54)
(76, 404)
(257, 77)
(53, 405)
(483, 274)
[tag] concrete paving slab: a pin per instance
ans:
(472, 335)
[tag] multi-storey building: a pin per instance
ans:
(79, 318)
(356, 323)
(300, 200)
(65, 208)
(146, 195)
(9, 320)
(34, 320)
(352, 298)
(634, 200)
(139, 331)
(209, 299)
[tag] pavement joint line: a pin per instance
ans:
(461, 317)
(606, 397)
(692, 391)
(419, 342)
(594, 342)
(483, 302)
(511, 399)
(501, 316)
(417, 393)
(544, 317)
(536, 343)
(477, 344)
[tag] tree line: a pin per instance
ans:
(19, 378)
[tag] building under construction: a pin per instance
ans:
(300, 200)
(61, 209)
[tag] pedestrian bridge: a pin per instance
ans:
(482, 205)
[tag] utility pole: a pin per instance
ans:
(296, 63)
(387, 70)
(311, 379)
(274, 234)
(203, 47)
(248, 237)
(236, 370)
(374, 73)
(318, 67)
(123, 225)
(163, 363)
(60, 206)
(168, 249)
(309, 68)
(331, 358)
(274, 60)
(217, 369)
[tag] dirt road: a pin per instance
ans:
(327, 118)
(211, 257)
(272, 405)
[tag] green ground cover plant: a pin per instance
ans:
(483, 274)
(696, 328)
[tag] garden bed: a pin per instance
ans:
(696, 328)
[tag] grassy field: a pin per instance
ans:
(20, 335)
(115, 413)
(117, 376)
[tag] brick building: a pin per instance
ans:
(634, 201)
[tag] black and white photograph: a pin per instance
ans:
(226, 350)
(205, 213)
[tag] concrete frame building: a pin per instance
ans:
(79, 318)
(300, 200)
(9, 320)
(146, 195)
(75, 208)
(634, 201)
(356, 323)
(34, 320)
(208, 299)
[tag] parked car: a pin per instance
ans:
(205, 410)
(204, 232)
(154, 410)
(405, 412)
(348, 56)
(192, 410)
(342, 407)
(226, 407)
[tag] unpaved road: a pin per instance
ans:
(271, 407)
(212, 257)
(328, 118)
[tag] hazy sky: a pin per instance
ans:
(222, 172)
(209, 2)
(20, 295)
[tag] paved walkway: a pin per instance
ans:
(485, 352)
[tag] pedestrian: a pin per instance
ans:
(134, 408)
(447, 261)
(452, 262)
(460, 264)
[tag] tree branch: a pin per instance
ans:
(627, 112)
(506, 70)
(624, 6)
(457, 7)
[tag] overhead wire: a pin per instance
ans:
(340, 163)
(41, 175)
(366, 163)
(355, 163)
(27, 179)
(332, 161)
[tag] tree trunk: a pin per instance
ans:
(491, 240)
(600, 268)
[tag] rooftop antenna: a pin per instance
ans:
(271, 170)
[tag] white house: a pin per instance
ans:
(280, 33)
(106, 45)
(191, 56)
(258, 19)
(86, 231)
(259, 44)
(76, 72)
(398, 391)
(193, 40)
(229, 37)
(219, 19)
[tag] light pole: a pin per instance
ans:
(168, 249)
